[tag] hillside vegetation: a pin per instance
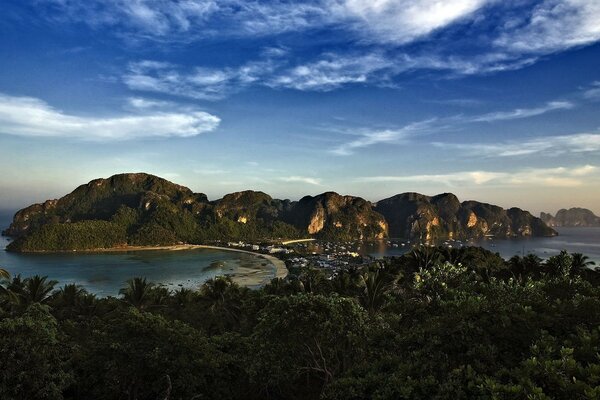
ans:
(433, 324)
(142, 209)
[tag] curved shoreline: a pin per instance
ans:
(281, 270)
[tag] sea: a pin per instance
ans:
(574, 240)
(105, 273)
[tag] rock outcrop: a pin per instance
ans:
(416, 216)
(573, 217)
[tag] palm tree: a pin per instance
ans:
(580, 262)
(377, 285)
(70, 294)
(36, 289)
(423, 257)
(560, 264)
(4, 274)
(182, 297)
(138, 293)
(220, 293)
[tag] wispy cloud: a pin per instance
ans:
(522, 112)
(27, 116)
(553, 25)
(407, 133)
(402, 21)
(593, 92)
(367, 138)
(333, 71)
(377, 45)
(552, 145)
(197, 82)
(552, 177)
(302, 179)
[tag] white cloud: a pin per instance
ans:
(552, 145)
(27, 116)
(554, 25)
(522, 112)
(550, 177)
(371, 137)
(593, 93)
(302, 179)
(402, 21)
(198, 83)
(333, 71)
(370, 38)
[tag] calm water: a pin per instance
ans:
(105, 273)
(574, 240)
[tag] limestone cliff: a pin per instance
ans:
(573, 217)
(333, 216)
(416, 216)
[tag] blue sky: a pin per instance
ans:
(493, 100)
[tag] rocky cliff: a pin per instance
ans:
(573, 217)
(332, 216)
(416, 216)
(143, 209)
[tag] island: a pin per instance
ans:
(573, 217)
(143, 210)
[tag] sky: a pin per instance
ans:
(493, 100)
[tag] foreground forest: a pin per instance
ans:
(433, 324)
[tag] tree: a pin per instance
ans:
(36, 289)
(5, 293)
(302, 342)
(377, 285)
(580, 263)
(221, 297)
(138, 355)
(31, 356)
(138, 293)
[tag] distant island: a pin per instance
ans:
(139, 209)
(573, 217)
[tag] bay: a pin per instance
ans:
(105, 273)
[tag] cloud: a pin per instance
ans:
(402, 21)
(27, 116)
(367, 138)
(365, 41)
(552, 177)
(553, 25)
(302, 179)
(333, 71)
(197, 82)
(522, 112)
(552, 145)
(593, 93)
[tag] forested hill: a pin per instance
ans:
(142, 209)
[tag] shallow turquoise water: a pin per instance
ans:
(105, 273)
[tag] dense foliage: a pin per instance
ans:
(433, 324)
(75, 236)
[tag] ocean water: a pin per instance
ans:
(573, 240)
(105, 273)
